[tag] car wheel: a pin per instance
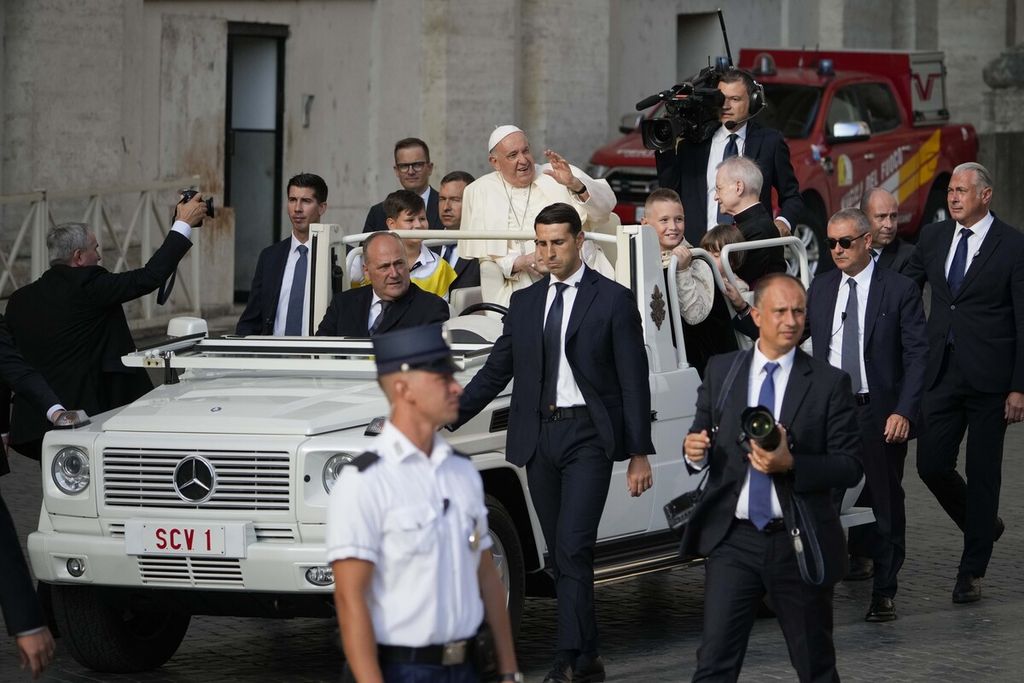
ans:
(810, 228)
(508, 556)
(935, 208)
(113, 632)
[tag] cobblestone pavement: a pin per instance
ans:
(651, 626)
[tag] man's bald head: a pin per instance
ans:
(882, 210)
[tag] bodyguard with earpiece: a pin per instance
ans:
(689, 167)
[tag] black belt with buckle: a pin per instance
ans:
(862, 399)
(449, 654)
(773, 527)
(557, 414)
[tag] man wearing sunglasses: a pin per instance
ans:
(869, 321)
(413, 169)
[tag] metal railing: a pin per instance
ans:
(103, 209)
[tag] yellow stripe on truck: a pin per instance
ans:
(919, 169)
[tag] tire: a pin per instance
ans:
(935, 208)
(112, 632)
(508, 555)
(810, 228)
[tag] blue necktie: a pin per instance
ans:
(731, 150)
(297, 295)
(958, 268)
(552, 350)
(850, 357)
(759, 506)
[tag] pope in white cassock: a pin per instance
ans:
(510, 199)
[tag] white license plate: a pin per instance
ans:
(149, 537)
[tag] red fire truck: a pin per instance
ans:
(854, 120)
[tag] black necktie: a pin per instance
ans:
(958, 268)
(380, 317)
(297, 295)
(731, 150)
(552, 350)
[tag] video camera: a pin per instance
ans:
(691, 111)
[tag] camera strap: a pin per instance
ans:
(803, 531)
(730, 379)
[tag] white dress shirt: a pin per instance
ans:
(756, 379)
(979, 230)
(567, 391)
(718, 142)
(281, 319)
(413, 516)
(835, 346)
(376, 304)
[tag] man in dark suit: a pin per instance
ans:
(450, 200)
(738, 524)
(690, 168)
(70, 325)
(738, 183)
(413, 169)
(389, 303)
(882, 210)
(975, 375)
(869, 321)
(278, 297)
(573, 343)
(19, 603)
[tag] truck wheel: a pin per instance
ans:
(108, 633)
(935, 208)
(810, 228)
(508, 555)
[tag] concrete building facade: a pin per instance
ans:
(247, 93)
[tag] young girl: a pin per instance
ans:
(740, 296)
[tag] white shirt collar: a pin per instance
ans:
(426, 256)
(426, 195)
(863, 278)
(980, 229)
(785, 362)
(723, 133)
(295, 243)
(392, 444)
(573, 280)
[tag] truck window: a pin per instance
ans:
(879, 105)
(791, 108)
(843, 109)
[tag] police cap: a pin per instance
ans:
(413, 348)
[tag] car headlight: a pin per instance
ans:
(70, 470)
(333, 467)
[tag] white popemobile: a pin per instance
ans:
(208, 495)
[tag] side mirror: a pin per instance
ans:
(849, 131)
(630, 122)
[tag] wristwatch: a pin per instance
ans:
(515, 677)
(582, 191)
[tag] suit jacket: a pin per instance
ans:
(467, 271)
(18, 599)
(349, 312)
(756, 223)
(605, 348)
(70, 325)
(986, 317)
(819, 413)
(26, 381)
(895, 345)
(376, 220)
(261, 309)
(896, 255)
(685, 171)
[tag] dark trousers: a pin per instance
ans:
(421, 673)
(951, 408)
(745, 566)
(569, 476)
(885, 540)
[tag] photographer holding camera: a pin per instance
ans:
(759, 474)
(70, 324)
(687, 163)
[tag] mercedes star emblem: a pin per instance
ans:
(194, 479)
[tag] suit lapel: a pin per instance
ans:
(735, 402)
(988, 247)
(396, 310)
(585, 294)
(938, 264)
(875, 296)
(823, 327)
(796, 388)
(280, 261)
(752, 143)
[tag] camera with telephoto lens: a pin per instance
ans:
(757, 424)
(691, 111)
(187, 195)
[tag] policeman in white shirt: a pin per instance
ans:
(407, 534)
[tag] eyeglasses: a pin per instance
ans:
(844, 242)
(415, 167)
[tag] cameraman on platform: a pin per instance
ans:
(752, 486)
(689, 168)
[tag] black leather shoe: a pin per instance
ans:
(881, 609)
(588, 669)
(861, 569)
(1000, 528)
(967, 589)
(561, 672)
